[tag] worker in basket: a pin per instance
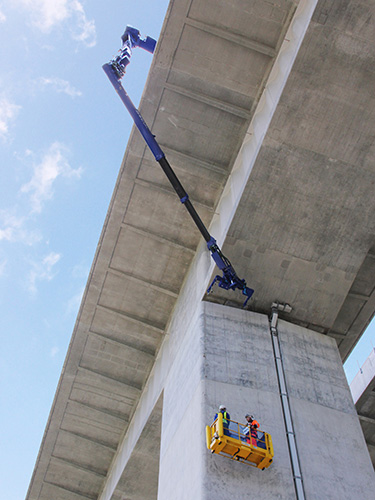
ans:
(251, 430)
(226, 418)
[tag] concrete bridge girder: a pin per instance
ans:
(239, 151)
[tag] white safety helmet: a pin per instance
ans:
(222, 407)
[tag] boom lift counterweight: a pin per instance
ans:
(115, 70)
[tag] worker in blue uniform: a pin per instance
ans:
(226, 418)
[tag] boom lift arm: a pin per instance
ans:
(115, 70)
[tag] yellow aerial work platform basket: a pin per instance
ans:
(236, 442)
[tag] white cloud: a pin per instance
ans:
(86, 28)
(12, 229)
(16, 222)
(3, 264)
(74, 303)
(61, 86)
(2, 17)
(81, 271)
(8, 112)
(53, 165)
(11, 224)
(54, 350)
(43, 271)
(47, 14)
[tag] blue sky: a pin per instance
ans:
(63, 133)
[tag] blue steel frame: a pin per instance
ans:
(115, 70)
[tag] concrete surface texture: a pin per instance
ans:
(227, 358)
(334, 459)
(362, 389)
(265, 111)
(307, 213)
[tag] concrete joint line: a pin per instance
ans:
(142, 281)
(233, 37)
(210, 101)
(194, 160)
(162, 239)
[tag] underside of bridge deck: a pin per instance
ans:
(300, 228)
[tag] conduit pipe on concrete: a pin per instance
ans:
(293, 451)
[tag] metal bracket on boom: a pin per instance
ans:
(115, 70)
(229, 280)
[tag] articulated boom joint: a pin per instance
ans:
(229, 280)
(130, 39)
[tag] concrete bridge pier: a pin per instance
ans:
(227, 357)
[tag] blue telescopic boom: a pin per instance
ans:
(115, 70)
